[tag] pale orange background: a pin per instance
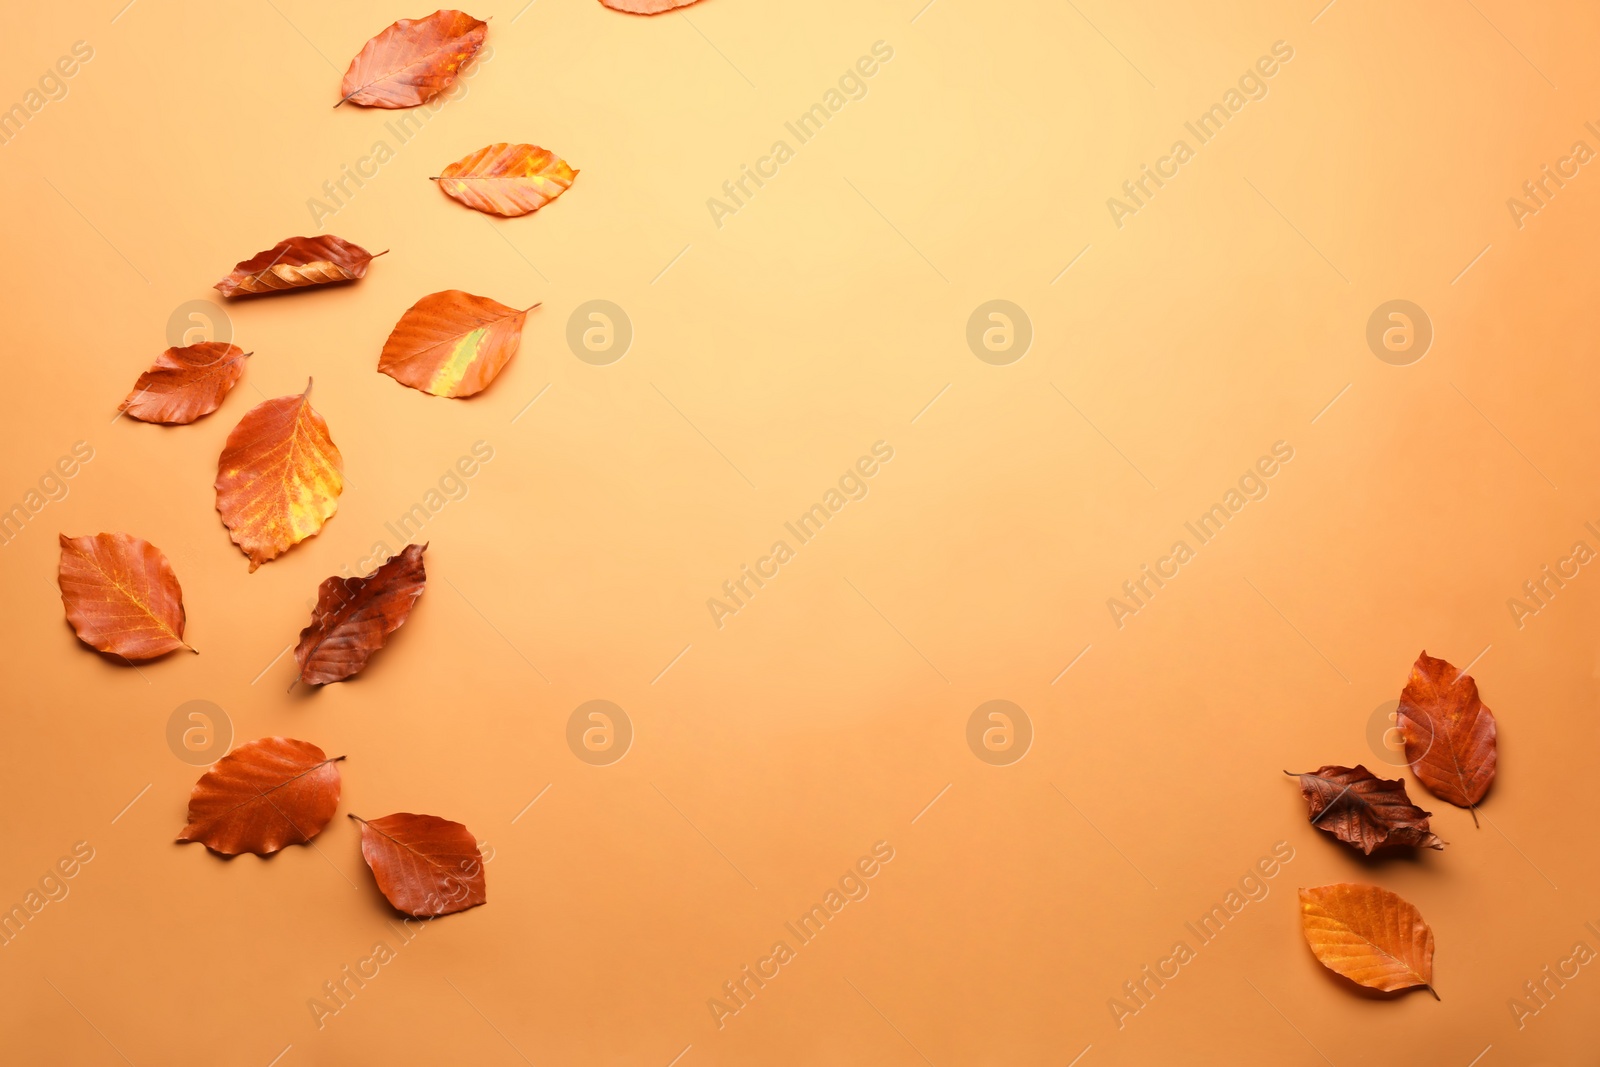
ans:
(829, 713)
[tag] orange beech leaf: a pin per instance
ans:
(121, 595)
(413, 60)
(263, 795)
(452, 343)
(1448, 733)
(1358, 807)
(1369, 935)
(507, 179)
(424, 865)
(279, 477)
(297, 263)
(646, 7)
(355, 616)
(184, 384)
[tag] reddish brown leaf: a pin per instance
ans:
(413, 60)
(279, 477)
(424, 865)
(297, 263)
(1364, 810)
(507, 179)
(185, 383)
(262, 796)
(1449, 735)
(646, 7)
(121, 595)
(1369, 935)
(452, 343)
(355, 616)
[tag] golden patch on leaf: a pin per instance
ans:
(507, 179)
(452, 343)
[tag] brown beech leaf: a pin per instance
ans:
(355, 616)
(1369, 935)
(507, 179)
(413, 60)
(121, 595)
(279, 477)
(1357, 807)
(424, 865)
(452, 343)
(184, 384)
(263, 795)
(646, 7)
(297, 263)
(1449, 735)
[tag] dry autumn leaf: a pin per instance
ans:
(262, 796)
(646, 7)
(452, 343)
(121, 595)
(184, 384)
(1369, 812)
(1449, 735)
(507, 179)
(425, 865)
(413, 60)
(1369, 935)
(297, 263)
(355, 616)
(279, 477)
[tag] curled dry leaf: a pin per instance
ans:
(507, 179)
(1369, 935)
(262, 796)
(646, 7)
(424, 865)
(1449, 734)
(452, 343)
(413, 60)
(355, 616)
(186, 383)
(297, 263)
(1369, 812)
(121, 595)
(279, 477)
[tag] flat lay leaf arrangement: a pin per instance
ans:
(1365, 932)
(280, 475)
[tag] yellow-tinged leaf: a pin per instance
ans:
(452, 343)
(279, 477)
(507, 179)
(1369, 935)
